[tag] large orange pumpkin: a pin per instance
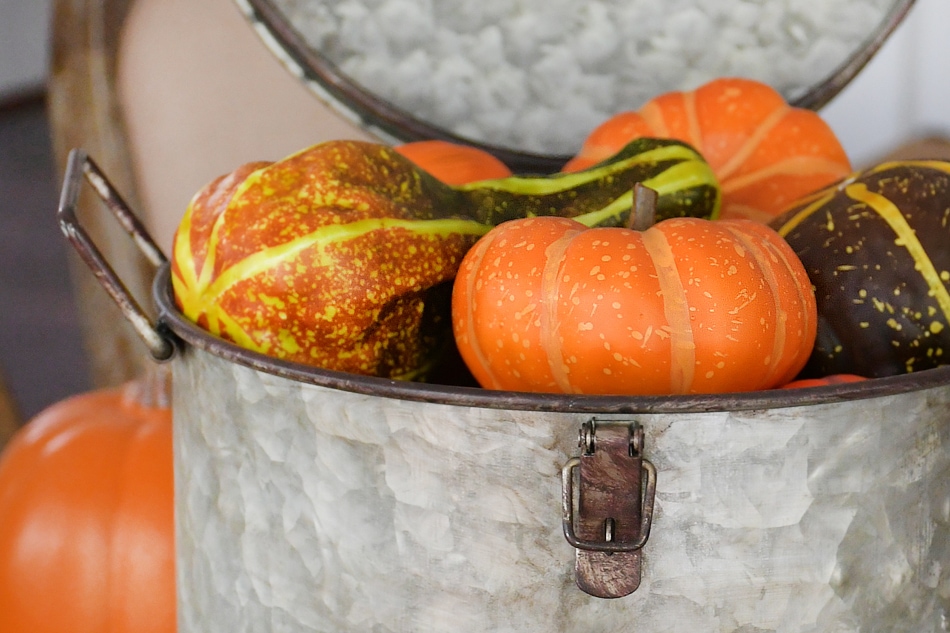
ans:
(686, 306)
(764, 152)
(86, 518)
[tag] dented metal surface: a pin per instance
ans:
(304, 507)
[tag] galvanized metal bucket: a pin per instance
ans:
(285, 28)
(310, 500)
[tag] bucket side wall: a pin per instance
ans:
(302, 508)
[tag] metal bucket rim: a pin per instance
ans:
(171, 320)
(359, 104)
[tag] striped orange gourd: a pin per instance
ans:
(764, 152)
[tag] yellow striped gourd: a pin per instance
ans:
(877, 249)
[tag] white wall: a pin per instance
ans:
(24, 45)
(903, 93)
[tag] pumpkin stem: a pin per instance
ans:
(643, 213)
(153, 389)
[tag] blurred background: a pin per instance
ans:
(195, 93)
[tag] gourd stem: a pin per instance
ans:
(643, 213)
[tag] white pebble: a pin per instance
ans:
(538, 75)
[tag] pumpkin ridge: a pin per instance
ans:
(753, 141)
(477, 256)
(652, 114)
(675, 309)
(794, 166)
(692, 119)
(550, 282)
(265, 259)
(762, 252)
(906, 237)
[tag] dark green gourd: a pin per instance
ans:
(877, 249)
(602, 195)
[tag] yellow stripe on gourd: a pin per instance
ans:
(231, 327)
(906, 237)
(534, 186)
(675, 310)
(617, 206)
(805, 213)
(939, 165)
(679, 177)
(685, 176)
(268, 258)
(186, 290)
(820, 198)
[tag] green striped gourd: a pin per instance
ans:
(877, 249)
(342, 255)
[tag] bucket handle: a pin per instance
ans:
(159, 344)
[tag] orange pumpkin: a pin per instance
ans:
(687, 306)
(764, 152)
(453, 163)
(86, 535)
(833, 379)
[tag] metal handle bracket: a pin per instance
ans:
(79, 165)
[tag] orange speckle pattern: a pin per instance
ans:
(687, 306)
(332, 257)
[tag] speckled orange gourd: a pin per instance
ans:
(329, 257)
(876, 246)
(686, 306)
(764, 152)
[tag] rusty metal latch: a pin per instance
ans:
(608, 521)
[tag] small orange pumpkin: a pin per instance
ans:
(686, 306)
(86, 518)
(833, 379)
(764, 152)
(453, 163)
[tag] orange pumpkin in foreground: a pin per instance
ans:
(686, 306)
(764, 152)
(453, 163)
(86, 519)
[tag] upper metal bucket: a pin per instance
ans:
(288, 27)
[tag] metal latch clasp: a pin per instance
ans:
(608, 521)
